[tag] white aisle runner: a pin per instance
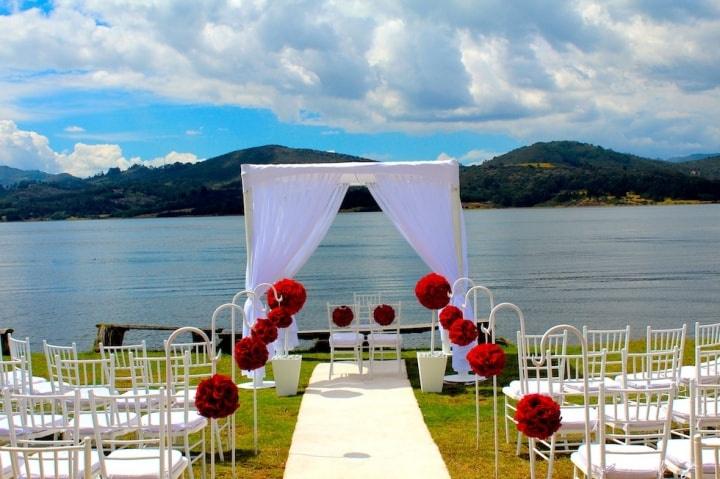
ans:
(358, 426)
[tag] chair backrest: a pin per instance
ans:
(666, 339)
(552, 369)
(145, 441)
(363, 302)
(13, 376)
(51, 462)
(570, 380)
(52, 354)
(85, 372)
(149, 373)
(121, 356)
(612, 341)
(20, 351)
(395, 325)
(707, 335)
(650, 369)
(638, 415)
(33, 416)
(710, 468)
(707, 366)
(196, 358)
(353, 326)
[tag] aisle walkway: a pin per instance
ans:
(357, 426)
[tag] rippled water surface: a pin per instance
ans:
(601, 266)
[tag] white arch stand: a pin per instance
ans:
(289, 209)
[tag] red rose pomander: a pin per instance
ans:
(280, 317)
(449, 315)
(292, 295)
(463, 332)
(384, 315)
(265, 330)
(342, 316)
(216, 397)
(487, 359)
(433, 291)
(250, 353)
(538, 416)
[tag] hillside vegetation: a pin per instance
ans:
(555, 173)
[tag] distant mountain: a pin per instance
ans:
(708, 168)
(568, 173)
(694, 157)
(553, 173)
(12, 176)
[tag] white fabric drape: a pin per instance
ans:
(286, 218)
(426, 212)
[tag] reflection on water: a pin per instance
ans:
(601, 266)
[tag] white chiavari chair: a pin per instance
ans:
(364, 302)
(346, 342)
(612, 341)
(707, 343)
(122, 362)
(52, 354)
(658, 368)
(23, 378)
(86, 375)
(386, 338)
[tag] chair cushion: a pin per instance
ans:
(512, 390)
(179, 398)
(681, 412)
(384, 339)
(578, 387)
(644, 417)
(195, 422)
(678, 455)
(709, 373)
(346, 339)
(640, 381)
(142, 464)
(6, 472)
(34, 424)
(621, 461)
(87, 427)
(573, 419)
(140, 398)
(48, 464)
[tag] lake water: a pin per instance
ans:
(605, 267)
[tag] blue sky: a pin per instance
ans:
(86, 85)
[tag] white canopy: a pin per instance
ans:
(289, 209)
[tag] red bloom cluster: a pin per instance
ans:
(433, 291)
(265, 330)
(384, 315)
(216, 397)
(449, 315)
(463, 332)
(538, 416)
(250, 353)
(342, 316)
(280, 317)
(487, 359)
(292, 295)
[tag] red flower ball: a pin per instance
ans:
(265, 330)
(292, 294)
(487, 359)
(280, 317)
(384, 315)
(216, 397)
(449, 315)
(463, 332)
(342, 316)
(250, 353)
(433, 291)
(538, 416)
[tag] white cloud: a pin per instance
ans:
(472, 157)
(74, 129)
(29, 150)
(193, 132)
(639, 76)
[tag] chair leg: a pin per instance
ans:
(507, 427)
(332, 355)
(551, 457)
(519, 443)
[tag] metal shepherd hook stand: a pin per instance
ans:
(523, 381)
(586, 386)
(169, 387)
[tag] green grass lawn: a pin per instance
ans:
(450, 417)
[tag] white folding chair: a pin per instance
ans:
(346, 342)
(703, 419)
(532, 378)
(384, 338)
(634, 422)
(22, 377)
(141, 449)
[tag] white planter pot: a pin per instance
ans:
(286, 370)
(432, 370)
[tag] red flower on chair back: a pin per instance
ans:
(250, 353)
(433, 291)
(342, 316)
(384, 315)
(538, 416)
(280, 317)
(292, 295)
(486, 359)
(463, 332)
(216, 397)
(265, 330)
(449, 315)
